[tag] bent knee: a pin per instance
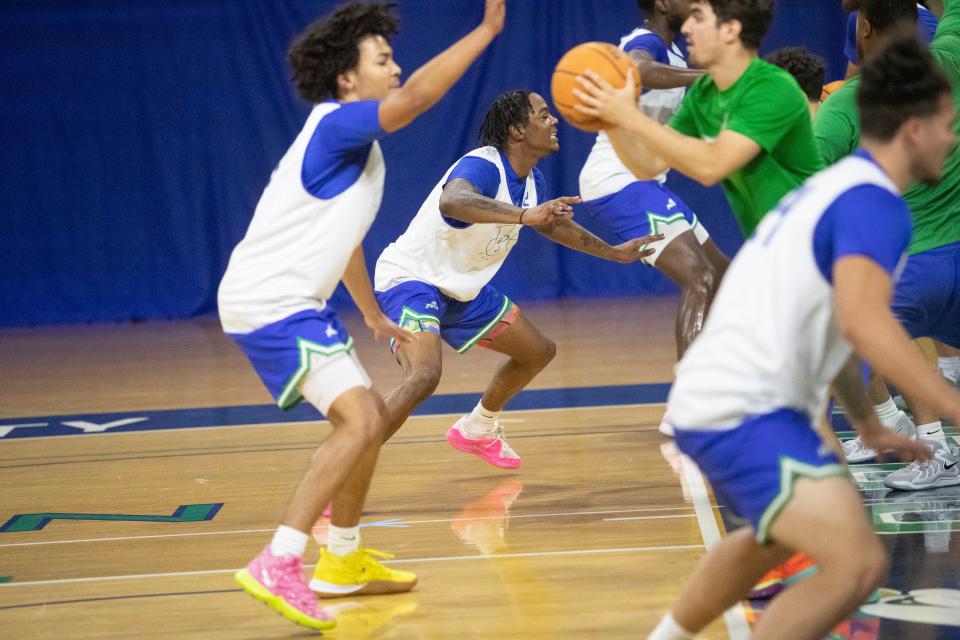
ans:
(423, 380)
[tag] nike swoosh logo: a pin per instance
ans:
(947, 467)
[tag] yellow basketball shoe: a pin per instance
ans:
(358, 573)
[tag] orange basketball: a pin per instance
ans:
(601, 57)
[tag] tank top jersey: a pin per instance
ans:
(320, 201)
(603, 173)
(459, 259)
(772, 339)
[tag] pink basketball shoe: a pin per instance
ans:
(493, 449)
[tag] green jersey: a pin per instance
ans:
(936, 210)
(766, 105)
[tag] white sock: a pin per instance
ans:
(481, 422)
(887, 413)
(287, 541)
(950, 367)
(669, 629)
(933, 431)
(343, 540)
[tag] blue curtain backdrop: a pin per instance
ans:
(137, 136)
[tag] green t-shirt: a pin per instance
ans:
(936, 210)
(766, 105)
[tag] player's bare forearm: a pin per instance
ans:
(657, 75)
(862, 297)
(356, 279)
(431, 82)
(460, 200)
(571, 235)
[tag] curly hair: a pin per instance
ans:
(806, 68)
(330, 46)
(508, 110)
(902, 81)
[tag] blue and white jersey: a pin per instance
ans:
(603, 173)
(772, 340)
(319, 204)
(457, 257)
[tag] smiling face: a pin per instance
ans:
(540, 130)
(375, 75)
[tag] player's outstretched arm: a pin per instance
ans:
(650, 147)
(568, 233)
(848, 388)
(657, 75)
(863, 291)
(463, 201)
(431, 82)
(356, 279)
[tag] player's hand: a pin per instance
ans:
(598, 98)
(494, 15)
(880, 439)
(383, 327)
(550, 211)
(636, 249)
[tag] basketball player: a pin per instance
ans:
(304, 238)
(927, 297)
(926, 21)
(744, 123)
(625, 207)
(434, 280)
(809, 289)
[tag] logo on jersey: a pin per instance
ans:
(432, 305)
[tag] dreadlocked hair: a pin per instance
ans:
(330, 46)
(511, 109)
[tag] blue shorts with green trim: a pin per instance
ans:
(753, 467)
(281, 351)
(417, 306)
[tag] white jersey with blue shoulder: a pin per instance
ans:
(772, 340)
(603, 173)
(320, 201)
(456, 257)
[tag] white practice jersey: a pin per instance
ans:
(459, 258)
(603, 173)
(771, 340)
(319, 204)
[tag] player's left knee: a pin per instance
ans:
(547, 352)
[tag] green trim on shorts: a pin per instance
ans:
(790, 471)
(507, 305)
(655, 220)
(696, 221)
(291, 395)
(409, 314)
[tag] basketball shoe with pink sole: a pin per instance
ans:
(493, 449)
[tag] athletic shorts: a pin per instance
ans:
(417, 306)
(311, 344)
(926, 298)
(753, 467)
(644, 208)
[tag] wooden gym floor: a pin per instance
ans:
(141, 465)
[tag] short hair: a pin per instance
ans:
(647, 6)
(754, 16)
(900, 82)
(806, 68)
(883, 15)
(330, 46)
(510, 109)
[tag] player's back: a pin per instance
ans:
(603, 172)
(771, 340)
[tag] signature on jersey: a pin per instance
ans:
(507, 235)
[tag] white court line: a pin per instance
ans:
(735, 617)
(535, 554)
(676, 515)
(322, 420)
(404, 522)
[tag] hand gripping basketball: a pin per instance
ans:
(602, 61)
